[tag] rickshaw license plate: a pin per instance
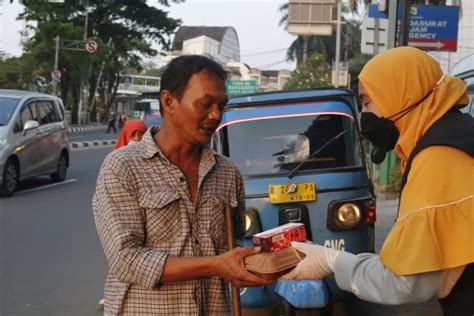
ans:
(292, 192)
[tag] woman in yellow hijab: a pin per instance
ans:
(410, 106)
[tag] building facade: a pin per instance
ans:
(266, 80)
(218, 43)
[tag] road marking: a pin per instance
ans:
(46, 186)
(91, 147)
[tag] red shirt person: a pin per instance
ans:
(132, 130)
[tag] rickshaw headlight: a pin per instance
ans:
(348, 215)
(351, 214)
(252, 222)
(248, 222)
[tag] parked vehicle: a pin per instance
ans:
(33, 138)
(147, 110)
(301, 157)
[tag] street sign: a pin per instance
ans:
(370, 31)
(56, 75)
(91, 46)
(240, 87)
(431, 27)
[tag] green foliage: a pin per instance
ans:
(132, 26)
(355, 66)
(395, 177)
(315, 74)
(12, 74)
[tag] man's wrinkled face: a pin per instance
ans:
(198, 112)
(367, 104)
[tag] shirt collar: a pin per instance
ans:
(148, 146)
(150, 149)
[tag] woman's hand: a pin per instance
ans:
(318, 263)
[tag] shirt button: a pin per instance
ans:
(182, 179)
(196, 241)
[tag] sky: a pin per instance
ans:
(263, 43)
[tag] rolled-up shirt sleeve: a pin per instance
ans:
(367, 277)
(120, 223)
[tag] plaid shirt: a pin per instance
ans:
(144, 212)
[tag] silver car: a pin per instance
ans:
(33, 138)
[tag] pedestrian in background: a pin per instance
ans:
(131, 132)
(410, 106)
(159, 206)
(120, 121)
(111, 123)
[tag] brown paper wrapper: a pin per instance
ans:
(272, 265)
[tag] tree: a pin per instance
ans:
(130, 25)
(11, 74)
(315, 74)
(355, 66)
(355, 4)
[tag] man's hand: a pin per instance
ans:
(230, 266)
(318, 263)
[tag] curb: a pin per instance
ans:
(94, 143)
(86, 129)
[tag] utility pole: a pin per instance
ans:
(404, 23)
(86, 23)
(100, 75)
(392, 23)
(338, 41)
(56, 62)
(376, 36)
(81, 88)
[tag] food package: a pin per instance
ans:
(272, 265)
(279, 237)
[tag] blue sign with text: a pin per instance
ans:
(431, 27)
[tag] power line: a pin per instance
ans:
(271, 64)
(264, 52)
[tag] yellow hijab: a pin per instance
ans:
(435, 228)
(400, 77)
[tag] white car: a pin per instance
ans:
(33, 138)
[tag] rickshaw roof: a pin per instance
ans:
(289, 103)
(273, 97)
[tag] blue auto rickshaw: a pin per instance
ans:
(301, 156)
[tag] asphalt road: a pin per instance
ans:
(93, 135)
(51, 262)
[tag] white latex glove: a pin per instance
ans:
(318, 263)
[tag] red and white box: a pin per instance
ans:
(279, 237)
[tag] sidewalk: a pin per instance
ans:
(86, 128)
(94, 143)
(91, 139)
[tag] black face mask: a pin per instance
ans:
(381, 131)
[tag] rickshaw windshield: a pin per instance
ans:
(277, 145)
